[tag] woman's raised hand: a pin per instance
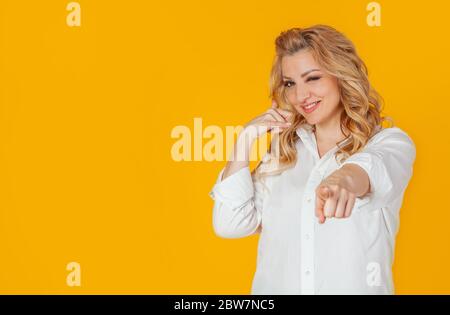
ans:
(274, 120)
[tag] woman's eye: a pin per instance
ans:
(312, 79)
(287, 84)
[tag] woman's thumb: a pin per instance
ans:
(274, 104)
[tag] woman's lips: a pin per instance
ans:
(311, 109)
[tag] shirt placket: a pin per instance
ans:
(307, 223)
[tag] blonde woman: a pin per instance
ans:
(326, 202)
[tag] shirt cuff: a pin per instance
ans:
(235, 190)
(377, 174)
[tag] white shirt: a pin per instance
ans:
(296, 254)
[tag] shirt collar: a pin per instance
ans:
(304, 131)
(306, 134)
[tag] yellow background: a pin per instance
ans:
(86, 115)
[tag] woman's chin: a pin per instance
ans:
(311, 120)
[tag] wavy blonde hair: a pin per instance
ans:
(337, 56)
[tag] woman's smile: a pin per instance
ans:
(311, 107)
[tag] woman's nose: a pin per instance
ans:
(302, 94)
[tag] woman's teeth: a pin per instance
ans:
(311, 107)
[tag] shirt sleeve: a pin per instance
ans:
(238, 203)
(388, 160)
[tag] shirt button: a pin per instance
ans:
(307, 236)
(307, 272)
(308, 199)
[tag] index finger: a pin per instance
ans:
(284, 112)
(322, 194)
(319, 209)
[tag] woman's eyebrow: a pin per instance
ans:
(304, 73)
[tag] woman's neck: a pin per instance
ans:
(329, 132)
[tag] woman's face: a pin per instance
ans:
(305, 83)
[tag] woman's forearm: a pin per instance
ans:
(240, 156)
(356, 178)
